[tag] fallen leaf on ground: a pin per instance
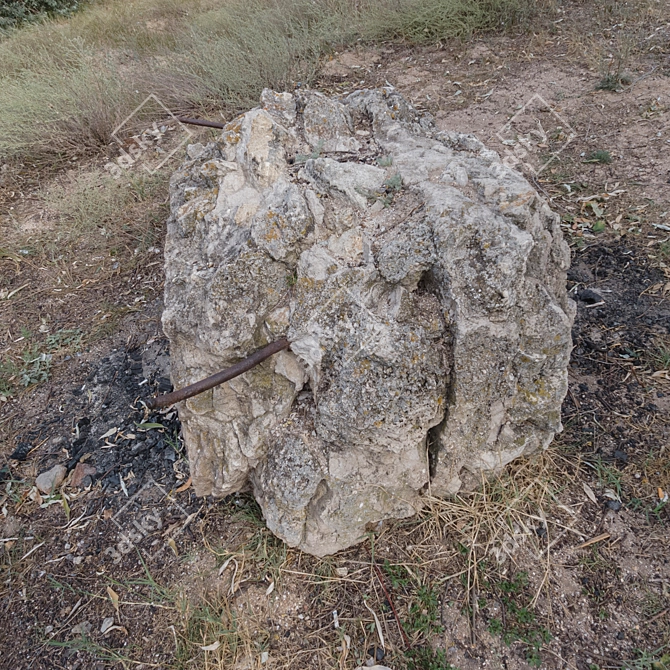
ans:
(107, 624)
(114, 597)
(83, 628)
(183, 487)
(226, 564)
(377, 625)
(35, 548)
(589, 492)
(149, 426)
(109, 433)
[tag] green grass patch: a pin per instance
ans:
(34, 363)
(649, 660)
(517, 622)
(397, 575)
(609, 476)
(599, 156)
(661, 357)
(424, 613)
(84, 644)
(614, 81)
(426, 658)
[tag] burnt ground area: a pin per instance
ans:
(563, 562)
(616, 417)
(118, 514)
(620, 334)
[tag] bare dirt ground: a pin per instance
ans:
(564, 562)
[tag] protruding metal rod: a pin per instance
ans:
(201, 122)
(220, 377)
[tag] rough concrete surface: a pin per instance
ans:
(420, 281)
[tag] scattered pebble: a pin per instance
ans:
(82, 472)
(376, 653)
(48, 481)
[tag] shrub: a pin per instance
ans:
(13, 14)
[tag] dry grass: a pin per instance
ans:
(66, 85)
(90, 201)
(518, 512)
(450, 556)
(616, 33)
(425, 21)
(88, 223)
(72, 269)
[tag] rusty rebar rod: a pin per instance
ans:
(201, 122)
(220, 377)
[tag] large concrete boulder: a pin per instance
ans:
(420, 281)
